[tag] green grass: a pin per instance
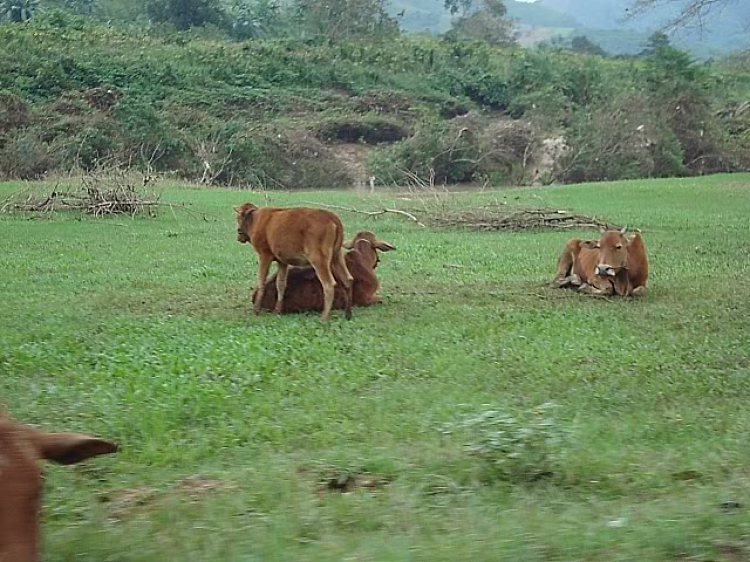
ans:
(140, 330)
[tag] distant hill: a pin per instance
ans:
(603, 21)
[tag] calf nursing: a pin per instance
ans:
(296, 237)
(21, 448)
(304, 293)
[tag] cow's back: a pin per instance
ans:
(289, 234)
(637, 261)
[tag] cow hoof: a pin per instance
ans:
(575, 280)
(277, 309)
(587, 289)
(639, 291)
(348, 314)
(559, 282)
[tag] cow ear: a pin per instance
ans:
(603, 228)
(348, 245)
(70, 448)
(384, 246)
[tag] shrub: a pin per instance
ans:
(621, 139)
(447, 152)
(515, 448)
(26, 156)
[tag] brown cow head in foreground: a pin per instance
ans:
(244, 216)
(366, 244)
(21, 448)
(613, 252)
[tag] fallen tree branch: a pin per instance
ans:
(369, 213)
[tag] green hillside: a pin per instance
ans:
(295, 113)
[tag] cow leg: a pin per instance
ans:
(639, 291)
(565, 265)
(587, 289)
(329, 286)
(281, 276)
(264, 263)
(563, 282)
(347, 280)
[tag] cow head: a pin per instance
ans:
(244, 216)
(366, 244)
(613, 252)
(21, 448)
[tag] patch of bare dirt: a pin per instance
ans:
(344, 482)
(352, 157)
(128, 502)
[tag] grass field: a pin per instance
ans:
(140, 330)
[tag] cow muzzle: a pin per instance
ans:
(605, 270)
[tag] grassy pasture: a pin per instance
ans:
(140, 330)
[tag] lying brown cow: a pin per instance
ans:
(613, 265)
(304, 292)
(297, 236)
(21, 447)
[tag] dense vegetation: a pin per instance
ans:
(232, 426)
(308, 112)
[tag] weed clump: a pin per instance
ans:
(520, 448)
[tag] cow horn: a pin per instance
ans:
(624, 229)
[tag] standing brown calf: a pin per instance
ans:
(296, 237)
(613, 265)
(21, 447)
(305, 293)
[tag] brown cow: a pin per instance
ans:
(304, 293)
(21, 447)
(613, 265)
(296, 236)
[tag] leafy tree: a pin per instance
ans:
(76, 6)
(255, 20)
(582, 44)
(656, 41)
(184, 14)
(18, 10)
(337, 20)
(486, 23)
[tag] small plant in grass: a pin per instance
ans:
(516, 448)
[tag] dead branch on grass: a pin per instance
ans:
(500, 217)
(369, 213)
(105, 191)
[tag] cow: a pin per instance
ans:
(304, 293)
(613, 265)
(21, 447)
(297, 236)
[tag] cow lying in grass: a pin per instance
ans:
(304, 292)
(613, 265)
(296, 237)
(21, 447)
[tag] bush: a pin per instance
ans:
(621, 139)
(446, 152)
(515, 448)
(26, 156)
